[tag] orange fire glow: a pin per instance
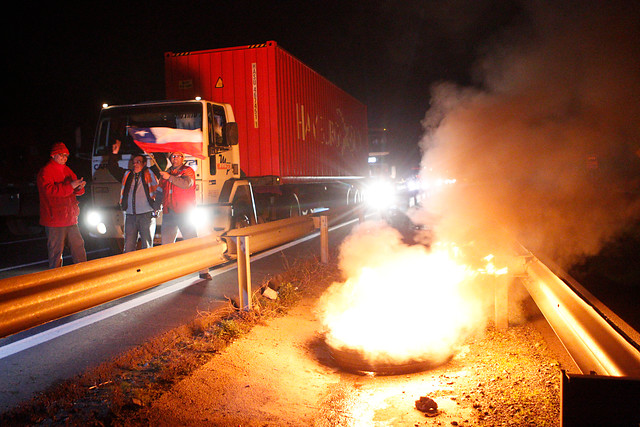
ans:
(411, 304)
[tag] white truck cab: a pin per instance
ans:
(222, 197)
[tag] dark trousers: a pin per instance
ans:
(58, 237)
(172, 222)
(143, 224)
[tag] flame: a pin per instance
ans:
(491, 268)
(417, 304)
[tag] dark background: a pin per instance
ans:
(65, 61)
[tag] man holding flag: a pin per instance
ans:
(178, 182)
(139, 198)
(178, 185)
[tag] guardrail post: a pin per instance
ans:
(324, 239)
(322, 223)
(501, 302)
(244, 272)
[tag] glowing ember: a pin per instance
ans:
(416, 304)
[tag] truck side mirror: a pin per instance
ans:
(230, 133)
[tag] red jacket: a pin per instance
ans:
(177, 199)
(58, 203)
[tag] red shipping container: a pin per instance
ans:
(293, 123)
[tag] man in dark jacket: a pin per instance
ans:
(58, 187)
(140, 199)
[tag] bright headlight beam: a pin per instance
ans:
(93, 218)
(381, 194)
(199, 217)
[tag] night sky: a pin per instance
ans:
(65, 61)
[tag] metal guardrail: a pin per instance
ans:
(595, 345)
(37, 298)
(270, 234)
(33, 299)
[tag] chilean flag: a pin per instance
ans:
(168, 140)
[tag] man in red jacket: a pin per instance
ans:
(58, 187)
(179, 190)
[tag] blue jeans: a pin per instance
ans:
(143, 225)
(58, 237)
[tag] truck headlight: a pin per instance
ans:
(413, 185)
(381, 195)
(199, 216)
(94, 220)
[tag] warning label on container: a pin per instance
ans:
(254, 80)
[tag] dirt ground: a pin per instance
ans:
(281, 373)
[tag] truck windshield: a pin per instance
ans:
(114, 123)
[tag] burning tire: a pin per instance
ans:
(356, 361)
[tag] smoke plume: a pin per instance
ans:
(545, 150)
(547, 145)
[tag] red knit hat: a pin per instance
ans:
(59, 148)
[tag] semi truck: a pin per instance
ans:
(277, 139)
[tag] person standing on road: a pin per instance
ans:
(178, 186)
(58, 187)
(140, 199)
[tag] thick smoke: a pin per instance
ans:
(548, 145)
(545, 150)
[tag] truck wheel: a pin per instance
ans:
(241, 221)
(288, 206)
(357, 198)
(294, 208)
